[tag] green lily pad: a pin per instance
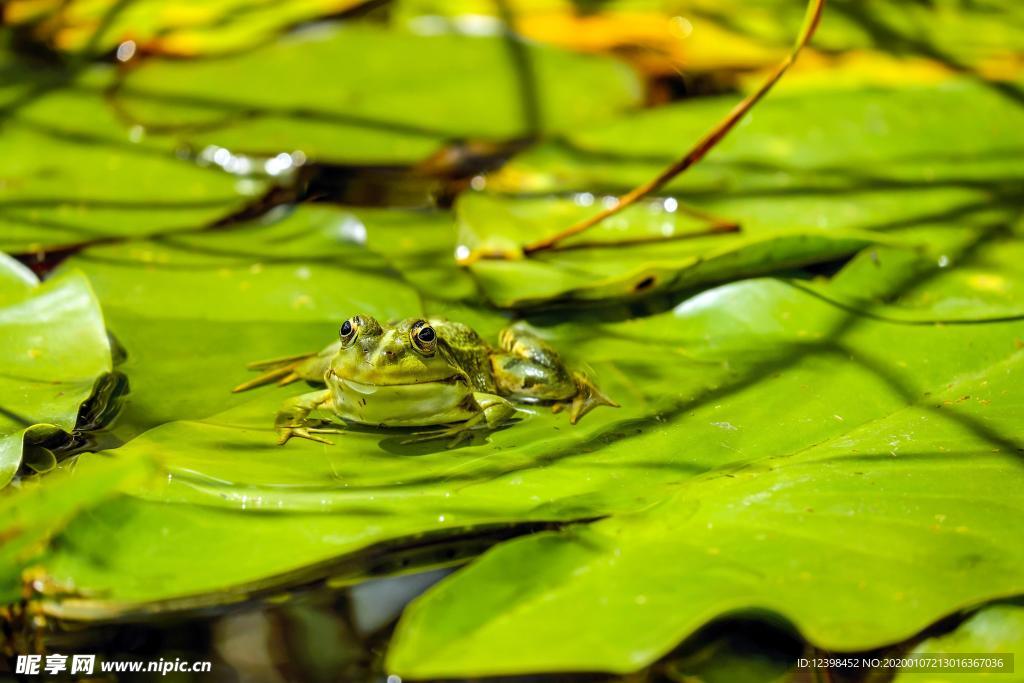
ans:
(808, 176)
(212, 302)
(409, 95)
(239, 514)
(644, 250)
(53, 349)
(33, 513)
(860, 541)
(998, 629)
(75, 174)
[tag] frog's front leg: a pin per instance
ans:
(531, 368)
(293, 418)
(493, 411)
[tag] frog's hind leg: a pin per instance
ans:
(287, 369)
(587, 397)
(280, 370)
(494, 411)
(530, 368)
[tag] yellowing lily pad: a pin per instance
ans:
(182, 27)
(886, 42)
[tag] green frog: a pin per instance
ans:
(424, 373)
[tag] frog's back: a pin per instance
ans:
(468, 350)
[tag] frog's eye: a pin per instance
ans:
(424, 338)
(348, 330)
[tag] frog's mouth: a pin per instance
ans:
(370, 388)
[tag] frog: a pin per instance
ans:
(424, 372)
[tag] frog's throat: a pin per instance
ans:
(369, 387)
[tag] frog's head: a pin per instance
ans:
(396, 375)
(401, 353)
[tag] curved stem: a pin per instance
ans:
(703, 146)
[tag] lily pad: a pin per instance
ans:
(241, 515)
(860, 541)
(75, 174)
(409, 96)
(215, 301)
(885, 43)
(179, 28)
(797, 198)
(34, 513)
(53, 349)
(646, 249)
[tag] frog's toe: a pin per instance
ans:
(310, 433)
(280, 370)
(587, 397)
(275, 375)
(455, 435)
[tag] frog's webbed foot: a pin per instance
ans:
(587, 397)
(306, 432)
(287, 369)
(280, 370)
(293, 419)
(494, 411)
(455, 434)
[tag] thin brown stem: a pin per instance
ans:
(703, 146)
(711, 231)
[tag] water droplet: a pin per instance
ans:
(238, 165)
(279, 164)
(136, 133)
(943, 261)
(247, 187)
(670, 204)
(680, 27)
(583, 199)
(478, 182)
(479, 25)
(351, 229)
(461, 252)
(609, 202)
(126, 50)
